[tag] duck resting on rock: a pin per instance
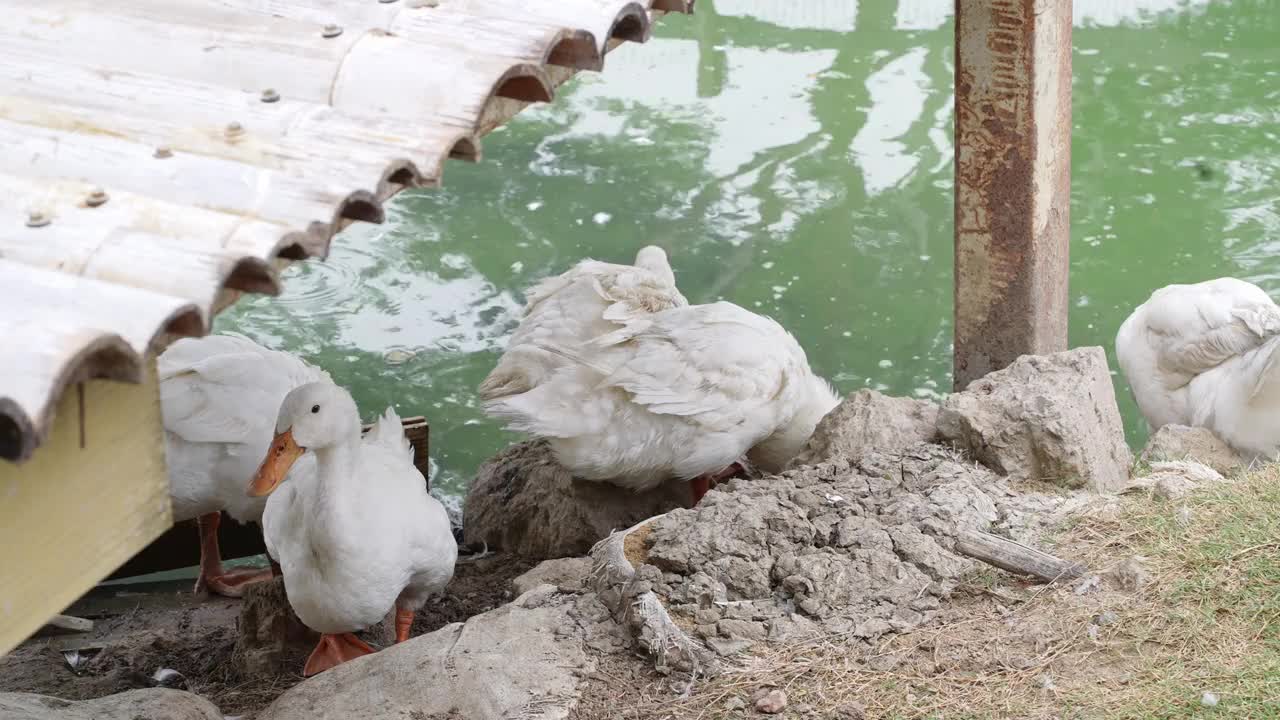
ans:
(218, 395)
(357, 536)
(1207, 355)
(630, 384)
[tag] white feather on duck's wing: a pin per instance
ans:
(212, 389)
(1195, 328)
(219, 396)
(682, 393)
(1203, 354)
(717, 363)
(570, 309)
(388, 432)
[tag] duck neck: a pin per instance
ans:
(776, 451)
(331, 517)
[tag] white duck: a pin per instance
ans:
(218, 395)
(573, 308)
(683, 392)
(358, 535)
(1205, 355)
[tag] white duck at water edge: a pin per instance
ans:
(218, 396)
(359, 535)
(574, 308)
(1205, 355)
(682, 392)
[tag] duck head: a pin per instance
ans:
(315, 416)
(774, 452)
(654, 259)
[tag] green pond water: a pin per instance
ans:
(796, 158)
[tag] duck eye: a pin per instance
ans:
(315, 408)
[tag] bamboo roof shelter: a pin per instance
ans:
(161, 157)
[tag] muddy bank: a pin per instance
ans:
(1158, 625)
(861, 546)
(140, 631)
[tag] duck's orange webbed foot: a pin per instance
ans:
(333, 650)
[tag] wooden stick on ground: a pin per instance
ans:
(1015, 557)
(64, 624)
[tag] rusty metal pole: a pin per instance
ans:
(1013, 181)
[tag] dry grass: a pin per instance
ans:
(1206, 619)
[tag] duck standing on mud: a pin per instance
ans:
(360, 534)
(218, 395)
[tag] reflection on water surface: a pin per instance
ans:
(795, 158)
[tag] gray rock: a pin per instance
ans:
(772, 702)
(151, 703)
(707, 616)
(1175, 479)
(725, 647)
(1180, 442)
(1173, 487)
(792, 629)
(525, 502)
(887, 662)
(867, 420)
(1091, 583)
(1045, 417)
(1129, 575)
(741, 628)
(852, 711)
(871, 629)
(567, 574)
(492, 667)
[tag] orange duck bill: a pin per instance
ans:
(284, 452)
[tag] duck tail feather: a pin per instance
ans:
(389, 432)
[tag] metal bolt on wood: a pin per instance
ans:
(270, 95)
(234, 130)
(163, 152)
(96, 197)
(37, 219)
(331, 31)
